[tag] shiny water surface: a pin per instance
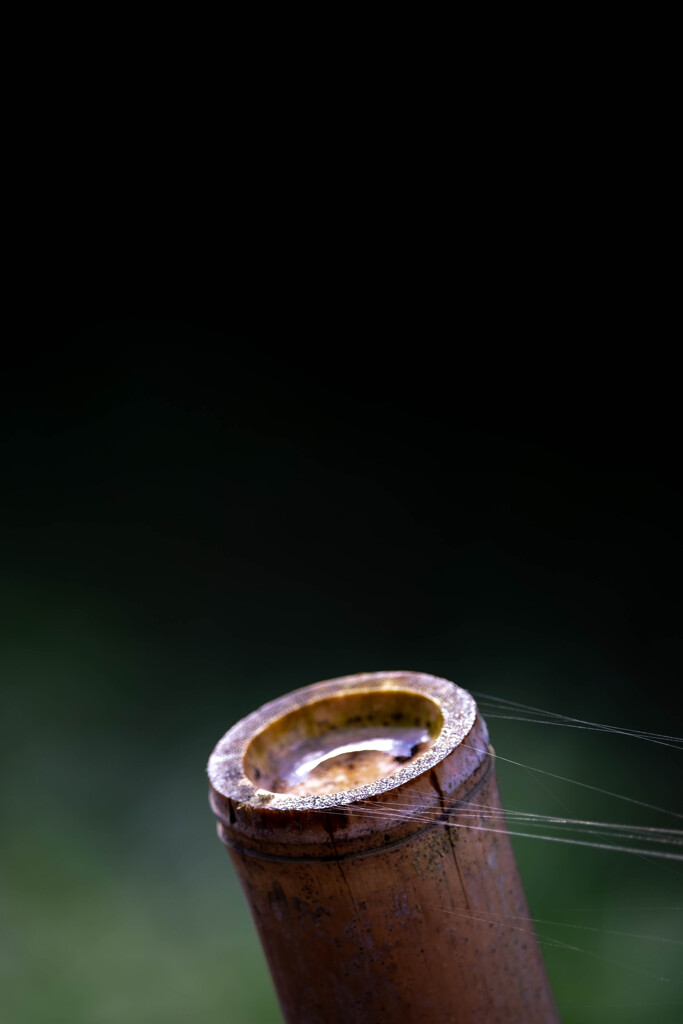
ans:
(347, 758)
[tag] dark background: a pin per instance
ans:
(203, 510)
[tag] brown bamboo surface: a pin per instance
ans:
(372, 905)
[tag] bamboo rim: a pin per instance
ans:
(228, 765)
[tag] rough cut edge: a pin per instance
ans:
(226, 764)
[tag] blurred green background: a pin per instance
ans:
(198, 517)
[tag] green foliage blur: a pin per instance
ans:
(196, 521)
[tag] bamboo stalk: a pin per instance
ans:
(340, 805)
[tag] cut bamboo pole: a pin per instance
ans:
(362, 816)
